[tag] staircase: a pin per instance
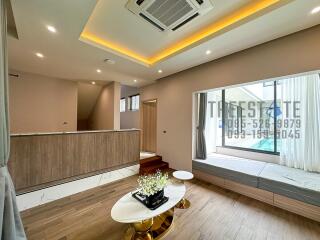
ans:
(152, 164)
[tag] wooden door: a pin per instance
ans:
(149, 126)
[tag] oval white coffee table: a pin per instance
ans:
(146, 223)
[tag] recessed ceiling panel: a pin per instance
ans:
(114, 28)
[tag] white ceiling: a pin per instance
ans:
(67, 57)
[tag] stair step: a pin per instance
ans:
(150, 160)
(157, 166)
(150, 164)
(153, 168)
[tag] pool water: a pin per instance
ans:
(266, 145)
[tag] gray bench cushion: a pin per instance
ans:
(293, 183)
(233, 168)
(290, 182)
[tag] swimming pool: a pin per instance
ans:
(266, 145)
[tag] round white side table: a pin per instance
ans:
(183, 176)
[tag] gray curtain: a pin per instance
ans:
(11, 227)
(201, 150)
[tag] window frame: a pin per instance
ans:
(130, 102)
(275, 150)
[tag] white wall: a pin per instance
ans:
(106, 112)
(42, 104)
(129, 119)
(87, 97)
(285, 56)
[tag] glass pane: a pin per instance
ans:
(135, 102)
(280, 113)
(138, 101)
(213, 128)
(249, 116)
(122, 105)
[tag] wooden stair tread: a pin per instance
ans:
(150, 160)
(158, 165)
(152, 164)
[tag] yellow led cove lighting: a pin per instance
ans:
(114, 47)
(254, 7)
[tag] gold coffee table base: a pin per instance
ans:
(151, 229)
(183, 204)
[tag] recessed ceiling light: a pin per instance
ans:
(159, 71)
(208, 52)
(135, 80)
(315, 10)
(93, 83)
(98, 71)
(52, 29)
(39, 55)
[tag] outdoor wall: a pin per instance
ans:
(106, 112)
(129, 119)
(292, 54)
(41, 104)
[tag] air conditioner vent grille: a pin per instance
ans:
(150, 21)
(169, 11)
(139, 2)
(185, 21)
(169, 14)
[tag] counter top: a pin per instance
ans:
(75, 132)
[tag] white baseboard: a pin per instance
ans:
(46, 195)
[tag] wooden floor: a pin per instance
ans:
(215, 214)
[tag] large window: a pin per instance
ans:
(276, 117)
(244, 118)
(134, 102)
(122, 104)
(249, 116)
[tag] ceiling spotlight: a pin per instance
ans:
(93, 83)
(98, 71)
(315, 10)
(52, 29)
(109, 61)
(208, 52)
(159, 71)
(135, 80)
(39, 55)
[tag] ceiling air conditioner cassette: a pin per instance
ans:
(169, 14)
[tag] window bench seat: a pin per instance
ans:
(292, 189)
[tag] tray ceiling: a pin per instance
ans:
(114, 28)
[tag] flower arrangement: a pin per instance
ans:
(153, 183)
